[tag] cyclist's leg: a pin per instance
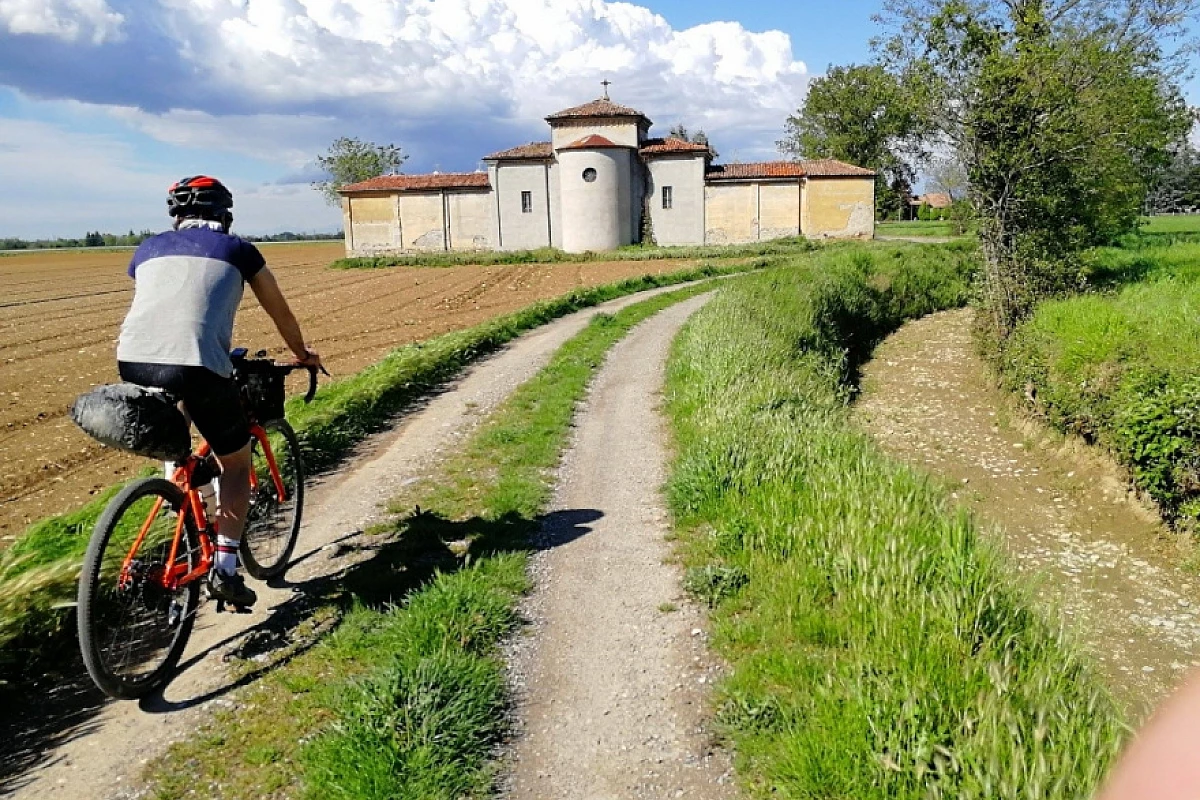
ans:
(216, 410)
(233, 493)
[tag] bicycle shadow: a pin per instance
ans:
(388, 569)
(380, 570)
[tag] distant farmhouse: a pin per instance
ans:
(601, 182)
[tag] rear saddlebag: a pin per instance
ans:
(134, 418)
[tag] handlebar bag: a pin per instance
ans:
(134, 418)
(262, 387)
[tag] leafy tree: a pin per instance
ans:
(1057, 107)
(1175, 186)
(351, 160)
(867, 116)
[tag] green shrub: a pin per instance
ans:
(1119, 368)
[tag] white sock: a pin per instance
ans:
(169, 468)
(227, 555)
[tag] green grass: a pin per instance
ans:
(406, 698)
(1119, 368)
(916, 228)
(37, 573)
(1181, 223)
(549, 255)
(878, 648)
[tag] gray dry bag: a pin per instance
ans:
(134, 418)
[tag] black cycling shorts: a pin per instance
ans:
(211, 401)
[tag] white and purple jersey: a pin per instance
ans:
(187, 287)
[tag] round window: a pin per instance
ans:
(589, 174)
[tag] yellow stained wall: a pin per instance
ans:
(471, 221)
(778, 210)
(421, 221)
(731, 213)
(839, 208)
(374, 223)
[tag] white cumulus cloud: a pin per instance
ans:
(476, 60)
(69, 20)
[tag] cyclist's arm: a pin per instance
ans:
(271, 298)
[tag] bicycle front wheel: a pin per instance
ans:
(132, 629)
(273, 521)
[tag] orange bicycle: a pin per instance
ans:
(140, 584)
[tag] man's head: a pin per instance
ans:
(200, 197)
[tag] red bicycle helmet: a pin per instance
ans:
(200, 196)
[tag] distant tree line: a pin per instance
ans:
(131, 239)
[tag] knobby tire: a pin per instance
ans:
(273, 527)
(133, 636)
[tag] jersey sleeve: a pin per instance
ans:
(248, 260)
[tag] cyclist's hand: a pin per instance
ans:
(311, 359)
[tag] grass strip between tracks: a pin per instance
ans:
(878, 647)
(38, 572)
(406, 698)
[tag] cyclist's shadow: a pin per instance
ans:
(386, 570)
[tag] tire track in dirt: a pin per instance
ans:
(100, 750)
(612, 676)
(1100, 560)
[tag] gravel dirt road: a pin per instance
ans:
(95, 749)
(1101, 561)
(612, 675)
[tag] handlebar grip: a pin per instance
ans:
(312, 385)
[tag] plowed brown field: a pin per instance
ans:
(60, 314)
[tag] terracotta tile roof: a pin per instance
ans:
(597, 108)
(531, 150)
(590, 142)
(933, 200)
(832, 168)
(826, 168)
(417, 183)
(768, 169)
(671, 146)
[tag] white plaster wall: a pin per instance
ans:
(683, 223)
(556, 214)
(595, 215)
(520, 231)
(617, 131)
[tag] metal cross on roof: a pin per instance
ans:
(606, 83)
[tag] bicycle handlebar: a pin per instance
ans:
(312, 377)
(239, 356)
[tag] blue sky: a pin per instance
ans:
(103, 103)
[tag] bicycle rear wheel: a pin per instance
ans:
(132, 630)
(272, 523)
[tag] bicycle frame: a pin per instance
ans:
(177, 575)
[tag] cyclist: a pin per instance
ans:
(188, 283)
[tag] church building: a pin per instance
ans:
(602, 182)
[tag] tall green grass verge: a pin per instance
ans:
(38, 572)
(406, 699)
(550, 255)
(1119, 369)
(878, 647)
